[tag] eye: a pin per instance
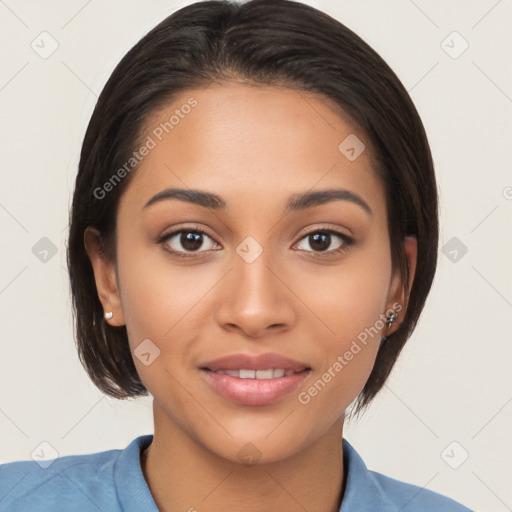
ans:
(188, 240)
(321, 239)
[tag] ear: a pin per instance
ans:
(105, 276)
(399, 294)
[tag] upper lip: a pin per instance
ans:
(248, 362)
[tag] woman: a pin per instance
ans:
(253, 237)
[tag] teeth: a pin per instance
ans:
(264, 374)
(256, 374)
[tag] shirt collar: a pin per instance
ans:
(362, 491)
(132, 489)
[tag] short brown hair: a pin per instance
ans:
(260, 42)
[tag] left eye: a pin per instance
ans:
(322, 239)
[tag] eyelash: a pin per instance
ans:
(347, 241)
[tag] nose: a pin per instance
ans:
(256, 298)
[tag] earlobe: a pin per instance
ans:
(104, 276)
(399, 296)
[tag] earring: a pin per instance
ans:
(391, 318)
(108, 315)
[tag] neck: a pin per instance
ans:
(184, 475)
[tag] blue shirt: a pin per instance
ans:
(112, 481)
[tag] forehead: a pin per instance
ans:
(253, 144)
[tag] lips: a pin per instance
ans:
(254, 380)
(268, 361)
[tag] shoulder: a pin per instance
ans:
(413, 498)
(85, 482)
(370, 490)
(83, 479)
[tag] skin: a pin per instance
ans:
(254, 147)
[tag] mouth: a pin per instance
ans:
(254, 387)
(255, 374)
(254, 381)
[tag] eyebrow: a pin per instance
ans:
(296, 202)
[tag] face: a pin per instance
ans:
(255, 279)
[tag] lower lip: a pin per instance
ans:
(254, 391)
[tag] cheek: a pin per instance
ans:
(163, 301)
(349, 297)
(158, 296)
(158, 305)
(350, 300)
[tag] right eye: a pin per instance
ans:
(185, 242)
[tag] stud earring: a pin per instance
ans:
(108, 315)
(391, 318)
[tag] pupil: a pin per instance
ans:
(321, 240)
(191, 241)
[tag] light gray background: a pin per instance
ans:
(452, 382)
